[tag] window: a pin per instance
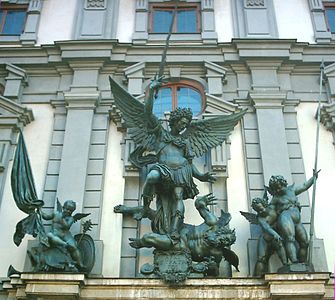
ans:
(330, 15)
(12, 19)
(187, 19)
(176, 95)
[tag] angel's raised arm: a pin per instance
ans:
(154, 86)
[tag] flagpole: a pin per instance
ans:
(311, 231)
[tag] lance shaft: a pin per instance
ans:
(311, 230)
(163, 60)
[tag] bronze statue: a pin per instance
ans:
(171, 170)
(285, 200)
(270, 241)
(60, 235)
(57, 250)
(207, 243)
(168, 154)
(280, 221)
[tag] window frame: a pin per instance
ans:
(329, 5)
(170, 7)
(4, 7)
(188, 84)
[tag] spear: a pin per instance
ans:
(163, 61)
(311, 231)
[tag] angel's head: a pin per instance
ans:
(277, 185)
(180, 118)
(259, 204)
(69, 207)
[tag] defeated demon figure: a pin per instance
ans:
(207, 242)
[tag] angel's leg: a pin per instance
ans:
(178, 212)
(74, 252)
(152, 179)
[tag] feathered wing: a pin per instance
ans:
(231, 257)
(132, 111)
(252, 218)
(206, 134)
(79, 216)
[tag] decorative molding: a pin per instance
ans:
(253, 3)
(15, 81)
(95, 4)
(327, 118)
(141, 5)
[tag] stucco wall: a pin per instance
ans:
(325, 204)
(238, 201)
(294, 20)
(57, 21)
(223, 20)
(126, 21)
(111, 223)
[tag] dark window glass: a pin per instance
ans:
(187, 21)
(12, 20)
(330, 13)
(177, 95)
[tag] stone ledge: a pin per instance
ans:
(77, 286)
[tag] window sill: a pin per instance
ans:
(9, 38)
(175, 37)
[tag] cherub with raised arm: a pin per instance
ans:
(171, 170)
(60, 234)
(285, 201)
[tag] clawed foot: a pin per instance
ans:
(135, 243)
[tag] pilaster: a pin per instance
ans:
(140, 35)
(29, 36)
(208, 33)
(321, 33)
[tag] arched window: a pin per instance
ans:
(181, 94)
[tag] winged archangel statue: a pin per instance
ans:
(171, 171)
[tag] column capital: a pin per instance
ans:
(275, 100)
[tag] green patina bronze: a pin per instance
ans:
(199, 249)
(57, 250)
(282, 230)
(168, 155)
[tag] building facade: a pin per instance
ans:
(261, 55)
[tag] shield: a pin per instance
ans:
(86, 247)
(172, 266)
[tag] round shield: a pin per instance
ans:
(87, 250)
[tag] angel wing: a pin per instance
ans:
(206, 134)
(58, 206)
(79, 216)
(132, 112)
(231, 257)
(252, 218)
